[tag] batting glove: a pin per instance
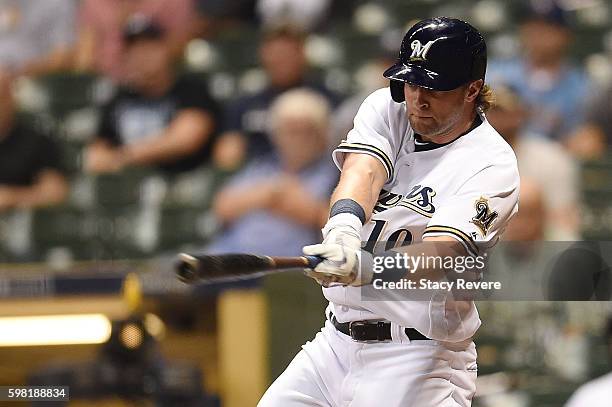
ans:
(341, 249)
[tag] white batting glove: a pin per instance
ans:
(341, 249)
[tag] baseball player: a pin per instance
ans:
(421, 165)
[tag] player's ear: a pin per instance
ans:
(473, 89)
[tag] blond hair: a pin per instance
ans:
(485, 99)
(301, 103)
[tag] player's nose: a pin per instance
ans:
(417, 95)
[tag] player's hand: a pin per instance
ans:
(341, 265)
(341, 249)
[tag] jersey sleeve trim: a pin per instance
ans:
(463, 238)
(368, 149)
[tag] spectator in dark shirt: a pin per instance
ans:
(31, 172)
(156, 119)
(284, 61)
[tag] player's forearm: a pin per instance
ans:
(362, 179)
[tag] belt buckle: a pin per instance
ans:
(353, 334)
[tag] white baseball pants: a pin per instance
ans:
(335, 371)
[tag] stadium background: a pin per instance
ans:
(107, 248)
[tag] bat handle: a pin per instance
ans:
(313, 261)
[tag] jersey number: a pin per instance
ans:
(399, 238)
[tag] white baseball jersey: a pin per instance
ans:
(593, 394)
(467, 189)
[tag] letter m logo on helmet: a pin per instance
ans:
(439, 53)
(419, 51)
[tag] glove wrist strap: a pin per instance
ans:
(348, 206)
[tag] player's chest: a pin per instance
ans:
(399, 219)
(406, 205)
(420, 186)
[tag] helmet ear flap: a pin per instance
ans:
(397, 91)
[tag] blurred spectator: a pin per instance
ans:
(553, 89)
(284, 61)
(520, 262)
(593, 139)
(216, 15)
(101, 22)
(598, 392)
(36, 37)
(368, 78)
(529, 225)
(307, 15)
(31, 172)
(544, 161)
(278, 203)
(156, 119)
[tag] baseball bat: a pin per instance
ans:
(191, 268)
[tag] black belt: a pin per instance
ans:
(373, 330)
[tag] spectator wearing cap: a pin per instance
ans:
(156, 118)
(546, 162)
(284, 61)
(100, 25)
(279, 202)
(553, 89)
(31, 169)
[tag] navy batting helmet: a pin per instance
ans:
(439, 53)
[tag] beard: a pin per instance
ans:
(432, 127)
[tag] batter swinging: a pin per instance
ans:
(422, 164)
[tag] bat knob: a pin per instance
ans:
(186, 268)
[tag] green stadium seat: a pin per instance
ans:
(62, 228)
(596, 216)
(121, 189)
(16, 235)
(181, 225)
(68, 91)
